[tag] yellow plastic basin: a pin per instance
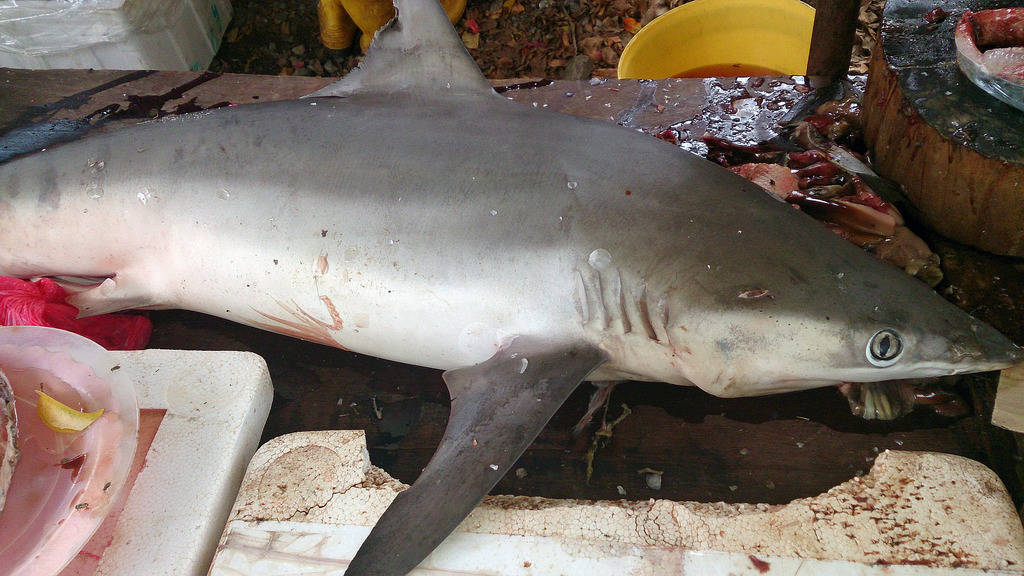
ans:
(722, 38)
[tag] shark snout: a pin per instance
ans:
(985, 347)
(1014, 356)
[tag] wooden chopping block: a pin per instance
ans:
(958, 152)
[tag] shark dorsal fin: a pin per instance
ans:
(418, 50)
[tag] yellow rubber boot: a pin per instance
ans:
(337, 30)
(454, 8)
(370, 15)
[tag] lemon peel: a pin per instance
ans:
(62, 418)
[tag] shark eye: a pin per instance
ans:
(884, 348)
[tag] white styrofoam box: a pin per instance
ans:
(112, 34)
(215, 404)
(308, 499)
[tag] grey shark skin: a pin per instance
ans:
(409, 212)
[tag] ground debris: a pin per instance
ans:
(508, 38)
(601, 437)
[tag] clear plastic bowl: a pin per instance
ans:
(58, 498)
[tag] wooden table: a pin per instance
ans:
(770, 449)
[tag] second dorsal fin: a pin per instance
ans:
(418, 50)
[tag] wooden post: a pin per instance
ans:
(832, 39)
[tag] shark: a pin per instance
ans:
(409, 212)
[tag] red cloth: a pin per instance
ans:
(42, 303)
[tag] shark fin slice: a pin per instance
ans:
(108, 296)
(418, 50)
(498, 408)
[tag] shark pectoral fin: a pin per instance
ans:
(109, 295)
(498, 408)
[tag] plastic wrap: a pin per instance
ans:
(42, 303)
(46, 26)
(160, 34)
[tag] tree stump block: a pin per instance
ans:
(957, 151)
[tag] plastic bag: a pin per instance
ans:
(42, 303)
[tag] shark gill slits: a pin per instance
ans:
(885, 348)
